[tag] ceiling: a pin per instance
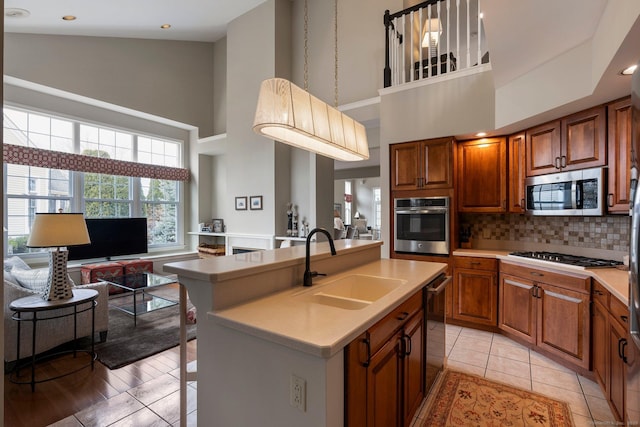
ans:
(522, 34)
(194, 20)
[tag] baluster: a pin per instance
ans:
(468, 36)
(420, 32)
(437, 43)
(458, 30)
(479, 35)
(411, 46)
(429, 52)
(402, 56)
(448, 37)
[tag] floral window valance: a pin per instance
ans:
(21, 155)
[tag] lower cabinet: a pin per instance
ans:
(475, 290)
(548, 310)
(610, 331)
(385, 369)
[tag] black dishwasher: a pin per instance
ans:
(435, 326)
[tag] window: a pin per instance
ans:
(347, 202)
(31, 189)
(377, 208)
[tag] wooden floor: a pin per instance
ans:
(70, 400)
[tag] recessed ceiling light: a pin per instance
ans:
(481, 134)
(69, 18)
(14, 12)
(629, 70)
(165, 26)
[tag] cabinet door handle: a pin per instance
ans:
(407, 346)
(622, 344)
(557, 162)
(367, 344)
(625, 319)
(563, 161)
(403, 315)
(522, 203)
(597, 292)
(610, 200)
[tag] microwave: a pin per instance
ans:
(579, 192)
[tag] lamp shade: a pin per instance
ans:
(58, 229)
(293, 116)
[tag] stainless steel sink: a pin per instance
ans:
(354, 292)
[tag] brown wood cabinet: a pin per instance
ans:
(547, 309)
(482, 175)
(517, 173)
(385, 369)
(609, 335)
(577, 141)
(475, 290)
(619, 147)
(422, 164)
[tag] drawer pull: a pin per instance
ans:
(598, 292)
(476, 263)
(403, 316)
(625, 319)
(535, 273)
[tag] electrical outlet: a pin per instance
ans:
(486, 233)
(298, 393)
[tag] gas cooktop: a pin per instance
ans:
(576, 260)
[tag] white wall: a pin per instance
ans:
(166, 78)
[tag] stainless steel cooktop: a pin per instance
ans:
(576, 260)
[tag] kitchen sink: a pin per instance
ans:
(354, 292)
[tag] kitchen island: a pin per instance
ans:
(259, 330)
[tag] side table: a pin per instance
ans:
(82, 300)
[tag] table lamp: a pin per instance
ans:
(58, 230)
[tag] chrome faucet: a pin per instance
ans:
(308, 274)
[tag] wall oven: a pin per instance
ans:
(422, 225)
(579, 192)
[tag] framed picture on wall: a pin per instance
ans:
(255, 203)
(241, 203)
(337, 207)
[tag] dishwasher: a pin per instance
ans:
(435, 326)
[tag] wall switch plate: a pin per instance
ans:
(298, 393)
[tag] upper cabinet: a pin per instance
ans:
(619, 146)
(517, 171)
(422, 165)
(575, 142)
(482, 175)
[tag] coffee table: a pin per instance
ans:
(136, 286)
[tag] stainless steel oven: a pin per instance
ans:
(422, 225)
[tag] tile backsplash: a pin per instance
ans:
(606, 232)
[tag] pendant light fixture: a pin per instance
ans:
(290, 114)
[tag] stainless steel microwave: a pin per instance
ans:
(579, 192)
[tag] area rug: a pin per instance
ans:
(468, 400)
(155, 332)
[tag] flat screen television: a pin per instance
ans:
(112, 237)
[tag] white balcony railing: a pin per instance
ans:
(433, 38)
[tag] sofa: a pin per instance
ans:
(50, 333)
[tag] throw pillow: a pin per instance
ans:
(36, 280)
(14, 261)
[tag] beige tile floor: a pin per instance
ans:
(500, 359)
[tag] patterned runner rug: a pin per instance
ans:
(468, 400)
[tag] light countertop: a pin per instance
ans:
(290, 319)
(614, 279)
